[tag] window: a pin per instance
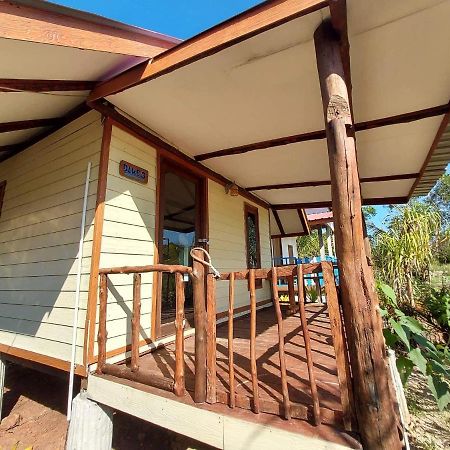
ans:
(2, 194)
(252, 239)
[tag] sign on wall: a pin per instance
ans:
(133, 172)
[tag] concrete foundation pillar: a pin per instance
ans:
(2, 382)
(91, 427)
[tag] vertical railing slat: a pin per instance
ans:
(179, 386)
(337, 332)
(230, 341)
(211, 390)
(253, 366)
(281, 353)
(306, 338)
(291, 294)
(102, 336)
(136, 322)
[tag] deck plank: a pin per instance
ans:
(162, 361)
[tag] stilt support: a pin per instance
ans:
(91, 427)
(373, 400)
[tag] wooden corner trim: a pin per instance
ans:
(89, 330)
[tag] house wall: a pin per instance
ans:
(227, 244)
(128, 236)
(285, 242)
(39, 238)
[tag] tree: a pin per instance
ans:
(308, 246)
(405, 249)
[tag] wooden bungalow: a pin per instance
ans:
(125, 152)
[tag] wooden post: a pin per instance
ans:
(291, 293)
(253, 366)
(136, 322)
(179, 387)
(307, 340)
(102, 334)
(198, 282)
(284, 385)
(375, 409)
(230, 341)
(211, 339)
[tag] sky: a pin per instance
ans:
(178, 18)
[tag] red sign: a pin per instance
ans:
(133, 172)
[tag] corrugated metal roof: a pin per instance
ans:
(436, 166)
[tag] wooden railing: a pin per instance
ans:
(289, 409)
(134, 372)
(205, 379)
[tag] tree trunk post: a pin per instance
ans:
(374, 404)
(198, 281)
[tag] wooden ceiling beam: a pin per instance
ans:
(57, 25)
(403, 176)
(7, 127)
(278, 221)
(7, 151)
(320, 134)
(327, 203)
(167, 150)
(250, 23)
(28, 85)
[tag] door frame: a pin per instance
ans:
(201, 230)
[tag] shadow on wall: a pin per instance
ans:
(38, 282)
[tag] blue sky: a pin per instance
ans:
(179, 18)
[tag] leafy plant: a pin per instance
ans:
(406, 335)
(405, 249)
(308, 246)
(438, 305)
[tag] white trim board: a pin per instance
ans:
(212, 428)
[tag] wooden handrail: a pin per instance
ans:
(145, 269)
(266, 274)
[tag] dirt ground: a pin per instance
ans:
(34, 417)
(33, 414)
(429, 428)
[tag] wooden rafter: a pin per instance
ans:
(170, 152)
(404, 176)
(278, 221)
(320, 134)
(303, 220)
(10, 150)
(56, 25)
(6, 127)
(327, 203)
(237, 29)
(27, 85)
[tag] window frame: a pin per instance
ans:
(2, 194)
(253, 210)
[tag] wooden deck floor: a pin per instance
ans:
(162, 361)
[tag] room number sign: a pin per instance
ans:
(133, 172)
